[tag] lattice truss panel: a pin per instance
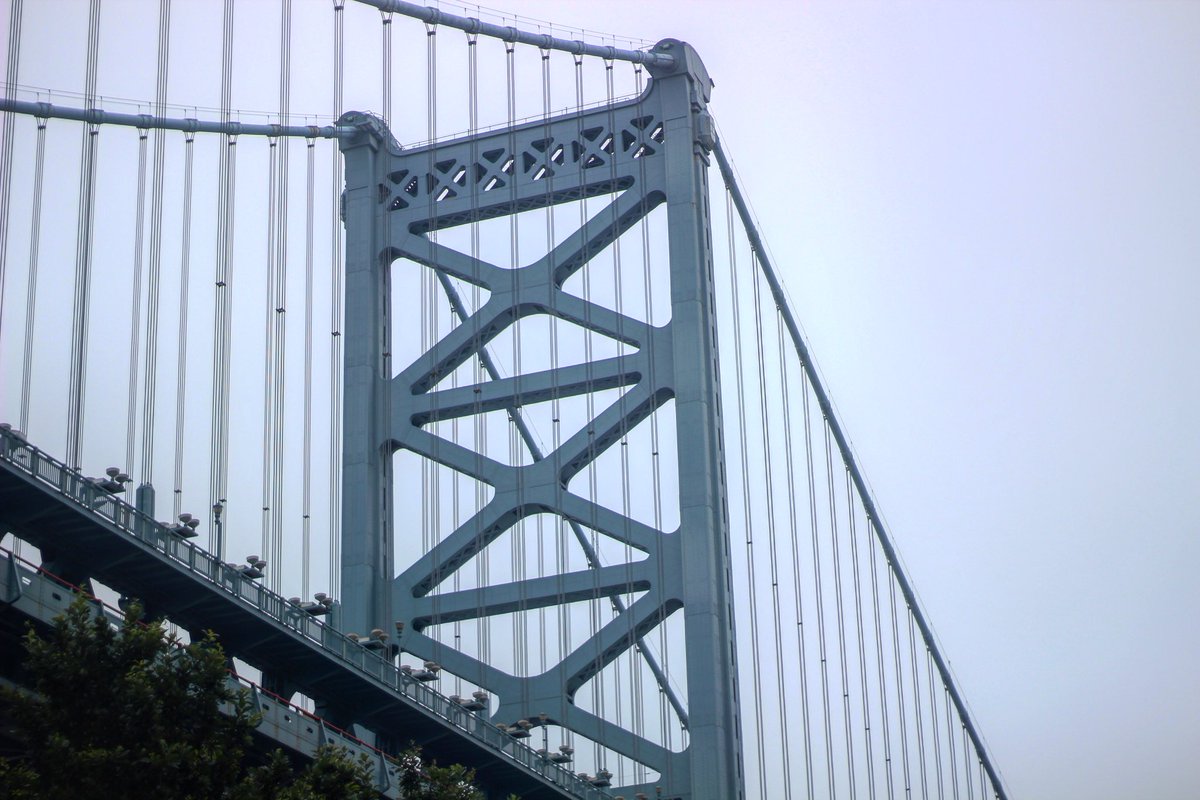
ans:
(613, 156)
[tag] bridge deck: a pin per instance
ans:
(57, 509)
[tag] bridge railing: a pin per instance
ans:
(86, 493)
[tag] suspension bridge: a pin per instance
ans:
(542, 479)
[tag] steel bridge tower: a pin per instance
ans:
(652, 150)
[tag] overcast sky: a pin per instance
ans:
(987, 217)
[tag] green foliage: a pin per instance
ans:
(132, 713)
(421, 781)
(125, 713)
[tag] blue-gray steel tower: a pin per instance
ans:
(646, 152)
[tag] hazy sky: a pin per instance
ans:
(987, 216)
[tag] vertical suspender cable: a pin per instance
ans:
(881, 665)
(817, 591)
(35, 237)
(847, 455)
(631, 656)
(562, 549)
(772, 544)
(794, 541)
(156, 213)
(839, 608)
(280, 305)
(185, 257)
(858, 616)
(6, 145)
(899, 667)
(953, 766)
(933, 718)
(386, 19)
(83, 253)
(432, 300)
(922, 756)
(747, 503)
(335, 317)
(269, 387)
(226, 195)
(136, 304)
(275, 350)
(35, 234)
(479, 419)
(306, 491)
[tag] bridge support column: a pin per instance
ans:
(715, 769)
(367, 560)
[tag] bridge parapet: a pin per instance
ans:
(48, 504)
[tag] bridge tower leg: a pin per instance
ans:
(393, 198)
(367, 560)
(715, 768)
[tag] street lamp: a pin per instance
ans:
(218, 544)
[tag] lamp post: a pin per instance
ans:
(218, 543)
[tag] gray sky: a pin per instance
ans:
(987, 219)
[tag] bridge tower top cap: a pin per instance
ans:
(685, 59)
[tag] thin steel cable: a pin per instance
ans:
(864, 494)
(816, 551)
(335, 316)
(946, 703)
(967, 765)
(634, 664)
(386, 49)
(840, 609)
(864, 697)
(555, 423)
(656, 472)
(310, 191)
(917, 715)
(903, 712)
(880, 664)
(269, 386)
(508, 34)
(479, 419)
(432, 307)
(223, 285)
(794, 540)
(599, 698)
(135, 327)
(35, 238)
(83, 254)
(933, 718)
(769, 495)
(150, 360)
(747, 503)
(185, 256)
(6, 144)
(279, 420)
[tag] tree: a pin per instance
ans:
(131, 712)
